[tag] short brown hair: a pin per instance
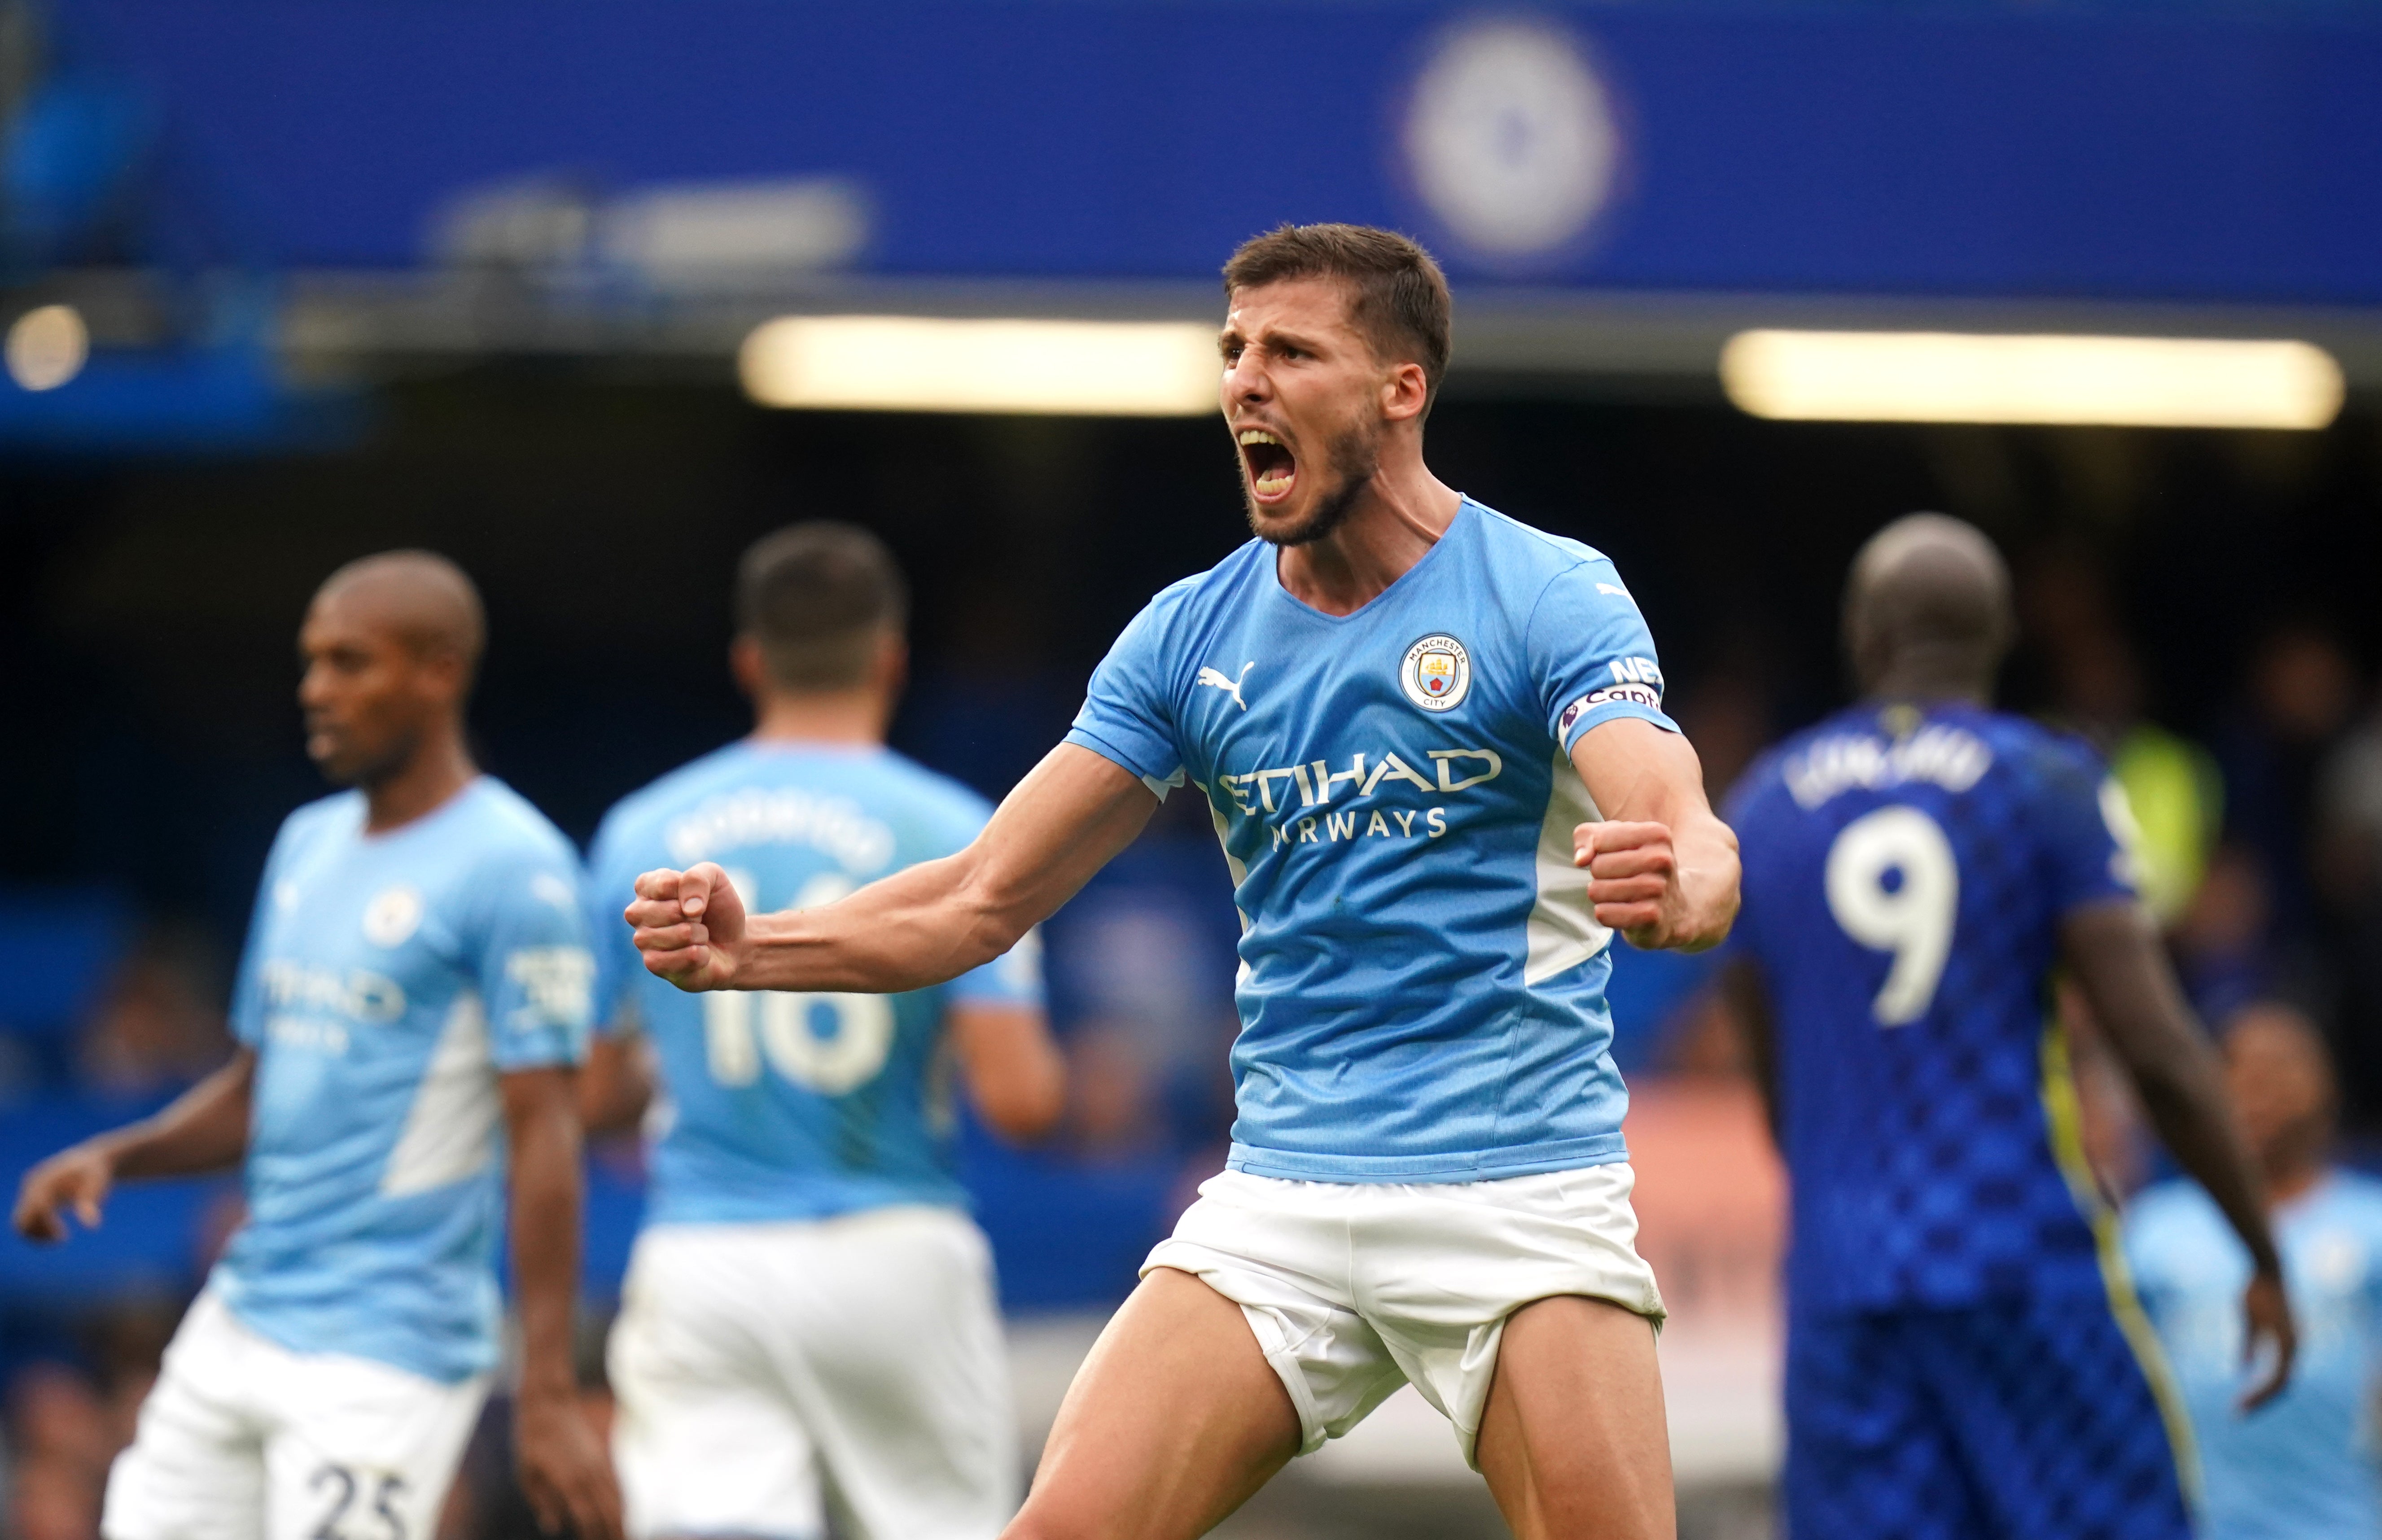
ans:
(816, 597)
(1399, 296)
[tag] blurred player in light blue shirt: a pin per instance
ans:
(410, 1010)
(2305, 1467)
(809, 1307)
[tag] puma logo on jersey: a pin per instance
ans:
(1229, 686)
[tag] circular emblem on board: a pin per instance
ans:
(392, 915)
(1436, 673)
(1510, 137)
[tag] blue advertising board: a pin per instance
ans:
(2220, 155)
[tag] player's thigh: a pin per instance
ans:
(1574, 1441)
(1173, 1422)
(1446, 1266)
(705, 1439)
(1870, 1455)
(196, 1468)
(2060, 1421)
(1283, 1252)
(361, 1451)
(891, 1349)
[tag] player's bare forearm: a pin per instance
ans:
(1747, 999)
(1014, 1072)
(920, 927)
(543, 1138)
(2115, 954)
(1662, 867)
(616, 1084)
(564, 1469)
(2113, 951)
(203, 1129)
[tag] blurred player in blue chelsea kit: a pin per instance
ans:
(1965, 1355)
(1431, 741)
(2307, 1467)
(412, 1001)
(809, 1309)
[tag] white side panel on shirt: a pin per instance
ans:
(1240, 871)
(1562, 932)
(452, 1132)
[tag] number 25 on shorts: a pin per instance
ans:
(350, 1494)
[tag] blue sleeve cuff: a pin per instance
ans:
(536, 1048)
(1579, 716)
(987, 986)
(1150, 759)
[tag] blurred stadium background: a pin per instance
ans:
(543, 286)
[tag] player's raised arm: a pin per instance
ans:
(2113, 951)
(204, 1129)
(1662, 866)
(933, 921)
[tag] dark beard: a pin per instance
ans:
(1352, 455)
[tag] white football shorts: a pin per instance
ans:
(1356, 1288)
(762, 1370)
(242, 1439)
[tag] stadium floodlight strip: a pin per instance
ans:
(1966, 377)
(921, 363)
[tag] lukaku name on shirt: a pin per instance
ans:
(1421, 988)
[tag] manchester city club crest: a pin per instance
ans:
(1437, 673)
(393, 916)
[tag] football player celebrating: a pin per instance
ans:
(1431, 740)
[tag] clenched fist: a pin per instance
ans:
(689, 925)
(1634, 882)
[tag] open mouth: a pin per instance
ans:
(1272, 467)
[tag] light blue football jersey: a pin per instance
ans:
(1421, 988)
(778, 1106)
(389, 980)
(2306, 1466)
